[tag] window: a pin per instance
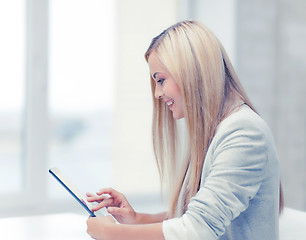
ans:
(55, 99)
(80, 90)
(11, 95)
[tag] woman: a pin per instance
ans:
(228, 186)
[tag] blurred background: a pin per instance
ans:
(75, 92)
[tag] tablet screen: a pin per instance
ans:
(64, 181)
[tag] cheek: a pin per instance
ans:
(180, 106)
(179, 96)
(175, 90)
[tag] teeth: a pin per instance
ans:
(170, 103)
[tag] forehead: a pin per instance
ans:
(155, 64)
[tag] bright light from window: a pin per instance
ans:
(81, 83)
(12, 30)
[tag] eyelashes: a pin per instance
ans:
(161, 81)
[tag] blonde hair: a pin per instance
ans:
(209, 86)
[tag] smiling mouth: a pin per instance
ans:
(169, 103)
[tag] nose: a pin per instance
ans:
(158, 92)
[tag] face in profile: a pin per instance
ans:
(166, 89)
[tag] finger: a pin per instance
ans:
(112, 192)
(115, 211)
(91, 197)
(110, 219)
(89, 220)
(96, 199)
(88, 194)
(106, 203)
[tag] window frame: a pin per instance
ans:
(34, 198)
(35, 117)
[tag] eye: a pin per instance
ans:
(161, 81)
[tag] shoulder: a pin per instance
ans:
(242, 141)
(243, 133)
(246, 123)
(245, 118)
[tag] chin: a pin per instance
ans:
(177, 117)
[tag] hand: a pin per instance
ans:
(101, 228)
(117, 205)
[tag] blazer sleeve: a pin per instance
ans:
(239, 158)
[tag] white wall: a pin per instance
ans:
(271, 60)
(265, 41)
(138, 21)
(219, 16)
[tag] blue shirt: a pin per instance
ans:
(238, 197)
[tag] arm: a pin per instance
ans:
(147, 231)
(143, 218)
(238, 162)
(118, 206)
(104, 228)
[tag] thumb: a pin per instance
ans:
(116, 211)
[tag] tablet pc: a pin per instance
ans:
(64, 181)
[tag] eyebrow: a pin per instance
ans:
(154, 75)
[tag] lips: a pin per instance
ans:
(170, 103)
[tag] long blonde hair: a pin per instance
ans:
(207, 81)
